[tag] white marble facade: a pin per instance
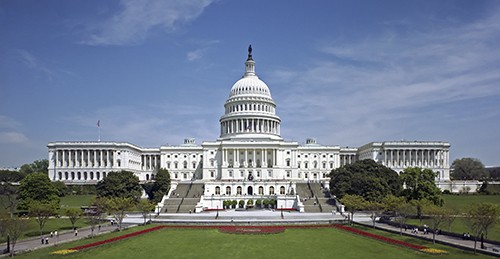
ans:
(249, 149)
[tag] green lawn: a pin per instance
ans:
(210, 243)
(463, 202)
(76, 201)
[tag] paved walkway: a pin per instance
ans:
(63, 237)
(491, 249)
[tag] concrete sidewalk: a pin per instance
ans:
(64, 236)
(491, 249)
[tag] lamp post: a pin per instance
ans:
(217, 215)
(281, 211)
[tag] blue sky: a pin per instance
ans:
(156, 72)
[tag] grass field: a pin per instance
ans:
(463, 202)
(210, 243)
(76, 201)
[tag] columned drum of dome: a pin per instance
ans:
(250, 111)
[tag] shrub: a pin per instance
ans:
(258, 203)
(266, 203)
(241, 203)
(234, 203)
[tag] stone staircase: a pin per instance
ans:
(306, 196)
(184, 198)
(324, 199)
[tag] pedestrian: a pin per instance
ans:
(43, 239)
(51, 234)
(99, 228)
(76, 232)
(46, 240)
(55, 233)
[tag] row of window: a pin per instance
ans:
(81, 176)
(249, 190)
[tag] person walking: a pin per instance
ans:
(76, 232)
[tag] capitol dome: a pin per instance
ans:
(250, 111)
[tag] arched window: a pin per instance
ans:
(98, 175)
(103, 174)
(91, 175)
(271, 190)
(238, 190)
(217, 190)
(228, 190)
(60, 175)
(152, 176)
(85, 175)
(72, 175)
(147, 177)
(79, 175)
(185, 164)
(315, 164)
(282, 190)
(261, 190)
(66, 175)
(194, 165)
(168, 165)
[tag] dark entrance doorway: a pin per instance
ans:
(250, 190)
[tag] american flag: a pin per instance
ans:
(98, 123)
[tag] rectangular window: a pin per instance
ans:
(212, 173)
(288, 174)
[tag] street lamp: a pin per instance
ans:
(217, 215)
(281, 211)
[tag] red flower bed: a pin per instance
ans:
(253, 230)
(378, 237)
(116, 238)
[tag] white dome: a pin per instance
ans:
(250, 85)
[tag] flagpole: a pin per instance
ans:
(99, 130)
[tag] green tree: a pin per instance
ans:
(9, 193)
(420, 186)
(118, 206)
(365, 178)
(375, 208)
(119, 184)
(38, 166)
(11, 176)
(468, 169)
(250, 203)
(353, 203)
(73, 215)
(36, 187)
(42, 211)
(234, 203)
(480, 218)
(61, 188)
(258, 202)
(439, 217)
(403, 211)
(145, 207)
(96, 212)
(161, 185)
(241, 203)
(12, 227)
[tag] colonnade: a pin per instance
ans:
(150, 162)
(347, 159)
(233, 157)
(85, 158)
(416, 157)
(250, 126)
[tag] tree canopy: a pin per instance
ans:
(160, 186)
(468, 169)
(36, 187)
(38, 166)
(420, 185)
(119, 184)
(365, 178)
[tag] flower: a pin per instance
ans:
(64, 252)
(433, 251)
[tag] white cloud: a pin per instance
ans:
(12, 137)
(383, 87)
(139, 17)
(33, 63)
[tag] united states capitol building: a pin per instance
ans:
(249, 160)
